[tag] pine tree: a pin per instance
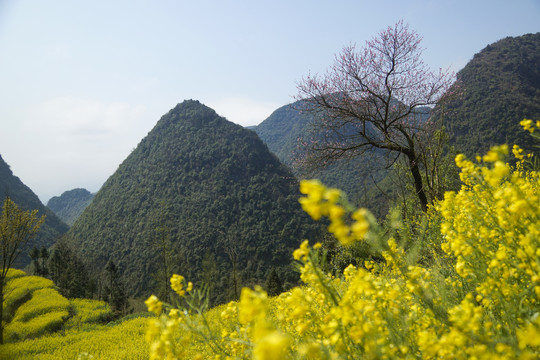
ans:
(43, 257)
(274, 286)
(34, 255)
(115, 293)
(68, 272)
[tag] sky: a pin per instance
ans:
(82, 82)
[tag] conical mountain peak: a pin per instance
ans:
(228, 205)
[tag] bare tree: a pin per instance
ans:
(16, 228)
(373, 98)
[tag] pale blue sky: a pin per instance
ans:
(82, 82)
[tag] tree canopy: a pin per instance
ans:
(222, 191)
(498, 88)
(70, 205)
(374, 98)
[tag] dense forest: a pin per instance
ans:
(370, 180)
(497, 89)
(199, 196)
(70, 205)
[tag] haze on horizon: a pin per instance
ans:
(84, 82)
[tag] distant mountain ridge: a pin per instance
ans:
(362, 178)
(70, 205)
(26, 199)
(499, 87)
(222, 196)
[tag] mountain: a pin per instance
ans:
(282, 129)
(52, 228)
(497, 89)
(211, 193)
(365, 179)
(70, 205)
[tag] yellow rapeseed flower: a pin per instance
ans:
(154, 305)
(302, 252)
(527, 125)
(273, 346)
(177, 284)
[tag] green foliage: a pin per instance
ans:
(52, 228)
(359, 177)
(273, 284)
(68, 271)
(114, 290)
(497, 89)
(70, 205)
(218, 181)
(39, 261)
(17, 227)
(281, 130)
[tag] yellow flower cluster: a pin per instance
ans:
(163, 330)
(89, 311)
(492, 230)
(91, 341)
(154, 305)
(178, 286)
(478, 296)
(321, 201)
(529, 125)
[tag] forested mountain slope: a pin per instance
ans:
(223, 208)
(365, 179)
(24, 197)
(497, 89)
(70, 205)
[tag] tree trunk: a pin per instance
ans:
(418, 184)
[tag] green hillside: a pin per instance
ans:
(498, 88)
(50, 231)
(281, 130)
(367, 179)
(70, 205)
(225, 207)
